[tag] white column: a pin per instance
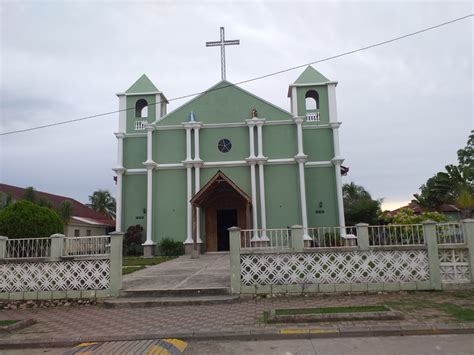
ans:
(118, 211)
(251, 139)
(149, 143)
(332, 102)
(253, 184)
(149, 206)
(304, 211)
(301, 159)
(294, 102)
(188, 143)
(261, 179)
(122, 112)
(263, 213)
(340, 201)
(197, 187)
(335, 136)
(196, 143)
(189, 219)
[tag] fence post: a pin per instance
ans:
(3, 247)
(57, 245)
(431, 241)
(468, 230)
(297, 241)
(116, 240)
(363, 236)
(234, 247)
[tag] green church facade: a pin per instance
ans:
(228, 157)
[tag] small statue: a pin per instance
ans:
(254, 113)
(192, 117)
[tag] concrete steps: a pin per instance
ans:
(171, 297)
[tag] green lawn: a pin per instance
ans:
(4, 323)
(134, 263)
(327, 310)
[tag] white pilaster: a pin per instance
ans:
(261, 159)
(118, 210)
(188, 143)
(335, 136)
(294, 102)
(301, 159)
(340, 202)
(251, 125)
(332, 102)
(253, 184)
(196, 142)
(149, 142)
(189, 217)
(122, 113)
(149, 206)
(259, 124)
(120, 136)
(158, 107)
(197, 187)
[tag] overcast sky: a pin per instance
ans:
(406, 107)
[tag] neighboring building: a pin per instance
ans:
(225, 158)
(451, 212)
(84, 222)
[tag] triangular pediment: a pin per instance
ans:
(218, 183)
(142, 85)
(311, 76)
(225, 103)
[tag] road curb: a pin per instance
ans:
(255, 334)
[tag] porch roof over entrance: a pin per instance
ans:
(214, 184)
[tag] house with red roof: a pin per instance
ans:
(84, 221)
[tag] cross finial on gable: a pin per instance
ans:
(222, 43)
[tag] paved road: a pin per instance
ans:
(416, 345)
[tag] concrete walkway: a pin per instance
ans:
(208, 271)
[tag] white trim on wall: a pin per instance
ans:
(319, 164)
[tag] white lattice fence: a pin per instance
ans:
(374, 266)
(55, 276)
(454, 265)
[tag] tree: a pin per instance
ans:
(66, 210)
(30, 195)
(6, 199)
(132, 241)
(455, 185)
(102, 202)
(407, 216)
(24, 219)
(44, 202)
(466, 155)
(359, 205)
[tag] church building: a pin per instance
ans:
(228, 158)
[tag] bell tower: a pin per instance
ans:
(142, 103)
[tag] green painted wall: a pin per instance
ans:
(225, 105)
(169, 146)
(282, 196)
(134, 152)
(131, 101)
(169, 204)
(318, 144)
(209, 138)
(321, 187)
(279, 142)
(239, 175)
(323, 102)
(134, 201)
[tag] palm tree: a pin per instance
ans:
(66, 210)
(102, 202)
(353, 193)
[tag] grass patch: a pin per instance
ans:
(327, 310)
(460, 313)
(129, 269)
(4, 323)
(140, 261)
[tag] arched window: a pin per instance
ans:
(141, 108)
(312, 100)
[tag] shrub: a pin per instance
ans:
(170, 247)
(24, 219)
(132, 241)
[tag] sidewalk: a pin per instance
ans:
(435, 311)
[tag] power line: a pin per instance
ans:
(250, 80)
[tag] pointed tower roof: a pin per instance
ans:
(142, 85)
(311, 76)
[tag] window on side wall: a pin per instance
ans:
(88, 233)
(77, 232)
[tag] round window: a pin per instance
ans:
(224, 145)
